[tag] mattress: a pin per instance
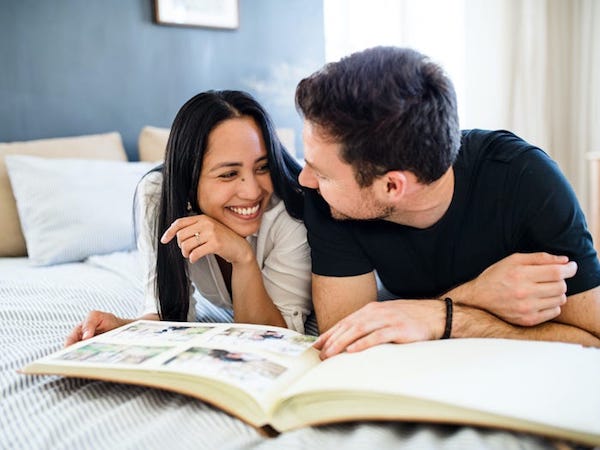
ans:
(38, 308)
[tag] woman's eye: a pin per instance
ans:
(263, 168)
(228, 175)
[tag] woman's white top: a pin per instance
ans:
(281, 251)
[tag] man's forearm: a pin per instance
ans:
(469, 322)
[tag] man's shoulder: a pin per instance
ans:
(495, 145)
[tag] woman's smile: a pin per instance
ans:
(246, 212)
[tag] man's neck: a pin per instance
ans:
(425, 204)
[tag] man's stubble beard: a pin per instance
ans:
(381, 212)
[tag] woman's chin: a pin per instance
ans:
(243, 225)
(245, 229)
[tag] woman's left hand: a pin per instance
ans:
(200, 235)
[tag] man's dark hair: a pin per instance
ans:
(389, 108)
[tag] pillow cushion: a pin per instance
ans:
(152, 143)
(74, 208)
(99, 146)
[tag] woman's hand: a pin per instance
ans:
(96, 322)
(200, 235)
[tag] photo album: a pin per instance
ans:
(273, 379)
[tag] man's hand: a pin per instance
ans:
(523, 289)
(397, 321)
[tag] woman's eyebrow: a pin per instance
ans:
(225, 164)
(235, 164)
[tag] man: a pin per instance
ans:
(477, 234)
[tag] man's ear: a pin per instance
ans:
(393, 184)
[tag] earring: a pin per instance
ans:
(189, 207)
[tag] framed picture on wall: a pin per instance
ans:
(198, 13)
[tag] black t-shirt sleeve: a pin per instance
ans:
(334, 250)
(551, 218)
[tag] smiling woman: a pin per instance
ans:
(235, 184)
(221, 216)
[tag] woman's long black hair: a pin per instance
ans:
(181, 171)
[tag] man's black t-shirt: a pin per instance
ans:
(509, 197)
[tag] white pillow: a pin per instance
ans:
(89, 146)
(73, 208)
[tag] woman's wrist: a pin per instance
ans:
(246, 258)
(244, 263)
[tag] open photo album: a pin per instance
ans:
(273, 378)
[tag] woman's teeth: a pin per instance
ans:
(245, 211)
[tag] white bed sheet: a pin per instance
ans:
(39, 306)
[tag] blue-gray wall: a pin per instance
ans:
(70, 67)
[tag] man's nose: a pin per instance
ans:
(307, 178)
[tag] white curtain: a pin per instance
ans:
(530, 66)
(554, 87)
(434, 27)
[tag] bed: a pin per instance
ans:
(43, 295)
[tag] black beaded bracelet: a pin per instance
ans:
(448, 328)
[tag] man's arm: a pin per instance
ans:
(403, 321)
(522, 289)
(529, 289)
(578, 323)
(583, 311)
(336, 297)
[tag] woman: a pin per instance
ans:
(221, 215)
